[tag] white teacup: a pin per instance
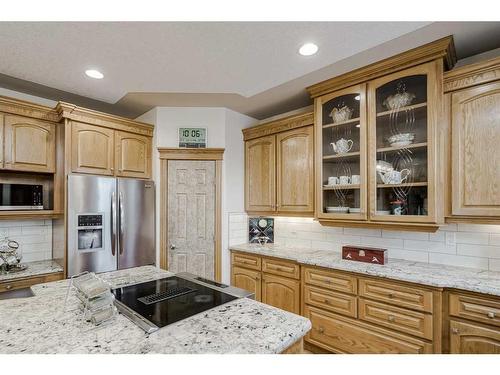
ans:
(333, 180)
(344, 180)
(355, 179)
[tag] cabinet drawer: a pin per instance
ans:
(281, 268)
(475, 308)
(410, 322)
(330, 280)
(246, 260)
(326, 299)
(26, 283)
(345, 335)
(403, 296)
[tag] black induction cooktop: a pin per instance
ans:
(166, 301)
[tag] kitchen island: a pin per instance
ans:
(41, 324)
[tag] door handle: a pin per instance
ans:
(112, 220)
(172, 247)
(120, 233)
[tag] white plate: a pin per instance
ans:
(383, 212)
(354, 210)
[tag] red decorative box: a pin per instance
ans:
(364, 254)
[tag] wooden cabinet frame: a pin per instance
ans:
(318, 104)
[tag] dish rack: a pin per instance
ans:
(96, 302)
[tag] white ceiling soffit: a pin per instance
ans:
(253, 68)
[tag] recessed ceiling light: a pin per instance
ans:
(308, 49)
(92, 73)
(358, 97)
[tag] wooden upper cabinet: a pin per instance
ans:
(29, 144)
(475, 126)
(260, 174)
(405, 173)
(132, 155)
(92, 149)
(1, 139)
(295, 170)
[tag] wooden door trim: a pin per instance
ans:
(206, 154)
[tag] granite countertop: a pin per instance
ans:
(436, 275)
(41, 325)
(37, 268)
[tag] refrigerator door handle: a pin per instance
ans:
(120, 238)
(112, 223)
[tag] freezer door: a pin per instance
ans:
(91, 224)
(136, 228)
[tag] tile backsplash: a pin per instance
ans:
(34, 237)
(466, 245)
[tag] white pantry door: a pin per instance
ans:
(191, 217)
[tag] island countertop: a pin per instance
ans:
(40, 324)
(437, 275)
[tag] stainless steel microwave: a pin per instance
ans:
(21, 197)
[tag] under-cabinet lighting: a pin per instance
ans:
(358, 97)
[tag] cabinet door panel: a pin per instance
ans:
(281, 292)
(295, 170)
(92, 149)
(247, 280)
(475, 156)
(472, 339)
(260, 175)
(29, 144)
(132, 155)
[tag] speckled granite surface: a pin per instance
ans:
(34, 269)
(40, 325)
(438, 275)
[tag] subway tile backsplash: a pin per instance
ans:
(34, 237)
(466, 245)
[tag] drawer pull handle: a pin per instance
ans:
(390, 318)
(321, 329)
(8, 287)
(454, 331)
(491, 315)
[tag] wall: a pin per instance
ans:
(466, 245)
(34, 237)
(223, 131)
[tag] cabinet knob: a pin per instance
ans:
(391, 295)
(321, 329)
(454, 331)
(172, 247)
(8, 287)
(390, 318)
(491, 315)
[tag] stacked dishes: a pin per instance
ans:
(97, 301)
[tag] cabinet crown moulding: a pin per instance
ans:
(472, 75)
(89, 116)
(440, 49)
(27, 109)
(278, 126)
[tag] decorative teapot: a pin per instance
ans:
(342, 145)
(341, 114)
(394, 177)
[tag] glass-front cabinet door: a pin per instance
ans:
(341, 150)
(402, 138)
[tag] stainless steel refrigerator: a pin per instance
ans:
(111, 223)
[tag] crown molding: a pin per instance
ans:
(472, 75)
(27, 109)
(440, 49)
(277, 126)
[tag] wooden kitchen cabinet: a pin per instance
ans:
(92, 149)
(248, 280)
(29, 144)
(132, 155)
(281, 292)
(260, 174)
(475, 127)
(279, 167)
(466, 338)
(295, 170)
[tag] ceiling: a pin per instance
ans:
(251, 67)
